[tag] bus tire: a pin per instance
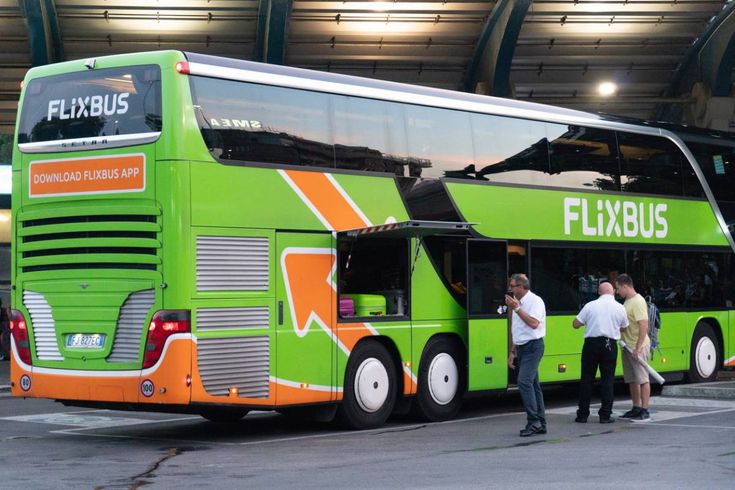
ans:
(441, 380)
(704, 360)
(370, 387)
(224, 415)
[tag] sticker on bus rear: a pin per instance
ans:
(25, 382)
(147, 388)
(91, 175)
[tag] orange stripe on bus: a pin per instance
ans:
(328, 201)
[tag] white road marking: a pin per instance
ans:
(84, 421)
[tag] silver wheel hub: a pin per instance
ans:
(705, 355)
(371, 385)
(443, 379)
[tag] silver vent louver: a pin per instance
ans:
(232, 318)
(44, 328)
(232, 263)
(131, 326)
(241, 362)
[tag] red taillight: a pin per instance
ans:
(182, 67)
(164, 324)
(19, 331)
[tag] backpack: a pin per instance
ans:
(654, 325)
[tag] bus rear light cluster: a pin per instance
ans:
(182, 67)
(19, 331)
(164, 324)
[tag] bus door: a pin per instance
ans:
(305, 305)
(487, 338)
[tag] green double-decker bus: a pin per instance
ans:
(205, 235)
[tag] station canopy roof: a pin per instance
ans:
(554, 52)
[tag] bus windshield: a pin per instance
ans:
(105, 102)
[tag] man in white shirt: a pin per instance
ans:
(528, 328)
(603, 318)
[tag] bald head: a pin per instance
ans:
(605, 288)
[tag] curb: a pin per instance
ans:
(700, 391)
(4, 388)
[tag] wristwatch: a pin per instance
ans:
(516, 309)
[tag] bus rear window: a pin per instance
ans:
(95, 103)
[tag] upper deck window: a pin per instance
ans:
(91, 104)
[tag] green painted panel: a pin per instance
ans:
(377, 197)
(488, 354)
(513, 213)
(246, 197)
(174, 194)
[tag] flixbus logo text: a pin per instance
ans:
(94, 105)
(614, 218)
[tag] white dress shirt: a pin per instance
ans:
(521, 331)
(603, 317)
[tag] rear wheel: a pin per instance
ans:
(370, 387)
(705, 355)
(223, 415)
(441, 380)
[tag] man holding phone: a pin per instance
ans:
(528, 329)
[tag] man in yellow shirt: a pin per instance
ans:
(636, 337)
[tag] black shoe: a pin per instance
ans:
(607, 420)
(542, 430)
(531, 430)
(580, 419)
(633, 412)
(643, 416)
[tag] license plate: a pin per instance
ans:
(85, 341)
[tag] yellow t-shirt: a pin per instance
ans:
(637, 310)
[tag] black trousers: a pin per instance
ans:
(597, 352)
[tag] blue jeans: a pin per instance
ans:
(529, 357)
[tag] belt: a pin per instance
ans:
(601, 338)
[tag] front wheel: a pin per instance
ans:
(441, 380)
(370, 387)
(705, 355)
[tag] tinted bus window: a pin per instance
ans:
(510, 150)
(567, 278)
(439, 141)
(105, 102)
(684, 280)
(258, 123)
(650, 165)
(369, 135)
(583, 158)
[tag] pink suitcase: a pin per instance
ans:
(346, 307)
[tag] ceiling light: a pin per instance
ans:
(607, 89)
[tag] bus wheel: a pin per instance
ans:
(370, 387)
(705, 355)
(223, 415)
(440, 380)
